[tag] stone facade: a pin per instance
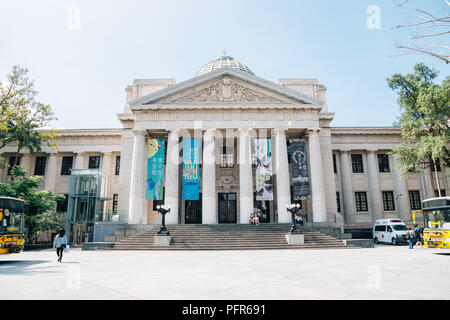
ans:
(226, 109)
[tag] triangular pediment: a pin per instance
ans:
(225, 86)
(227, 90)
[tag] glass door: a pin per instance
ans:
(227, 208)
(193, 211)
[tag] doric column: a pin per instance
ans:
(80, 160)
(106, 166)
(51, 172)
(171, 194)
(282, 176)
(402, 192)
(426, 186)
(245, 176)
(26, 164)
(375, 200)
(318, 189)
(347, 188)
(209, 205)
(138, 179)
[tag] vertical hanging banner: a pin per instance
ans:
(264, 182)
(191, 156)
(155, 169)
(299, 162)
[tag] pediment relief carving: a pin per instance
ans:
(227, 90)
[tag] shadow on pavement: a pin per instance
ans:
(15, 267)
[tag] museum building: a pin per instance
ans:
(223, 144)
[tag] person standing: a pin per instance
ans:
(411, 237)
(60, 243)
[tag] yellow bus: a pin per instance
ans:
(436, 215)
(12, 238)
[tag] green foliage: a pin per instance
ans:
(424, 119)
(40, 205)
(21, 116)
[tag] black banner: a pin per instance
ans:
(299, 162)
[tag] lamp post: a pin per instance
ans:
(293, 209)
(163, 209)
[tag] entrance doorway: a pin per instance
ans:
(79, 230)
(227, 208)
(264, 207)
(193, 211)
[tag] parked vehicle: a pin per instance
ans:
(436, 215)
(393, 231)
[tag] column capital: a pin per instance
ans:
(312, 131)
(109, 153)
(140, 132)
(371, 150)
(344, 150)
(243, 131)
(174, 131)
(279, 131)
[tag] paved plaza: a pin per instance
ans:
(385, 272)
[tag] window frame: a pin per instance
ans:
(388, 200)
(361, 204)
(357, 167)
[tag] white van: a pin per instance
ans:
(393, 231)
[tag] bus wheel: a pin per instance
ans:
(375, 240)
(394, 241)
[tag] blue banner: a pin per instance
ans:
(191, 156)
(155, 169)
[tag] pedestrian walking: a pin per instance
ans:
(419, 236)
(60, 243)
(411, 237)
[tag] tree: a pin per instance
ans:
(21, 115)
(40, 205)
(424, 119)
(429, 29)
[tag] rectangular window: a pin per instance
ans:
(67, 163)
(357, 163)
(334, 163)
(414, 200)
(436, 193)
(11, 161)
(117, 165)
(39, 167)
(159, 202)
(361, 201)
(388, 201)
(61, 206)
(115, 201)
(94, 162)
(383, 163)
(338, 202)
(438, 165)
(227, 157)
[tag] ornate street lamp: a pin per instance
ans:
(163, 209)
(293, 208)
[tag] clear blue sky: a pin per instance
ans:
(82, 72)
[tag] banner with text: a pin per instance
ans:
(299, 162)
(155, 169)
(191, 156)
(264, 182)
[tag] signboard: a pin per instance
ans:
(191, 156)
(299, 163)
(155, 169)
(264, 182)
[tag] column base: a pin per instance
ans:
(162, 241)
(295, 238)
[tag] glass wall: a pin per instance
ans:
(87, 203)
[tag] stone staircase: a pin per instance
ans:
(228, 237)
